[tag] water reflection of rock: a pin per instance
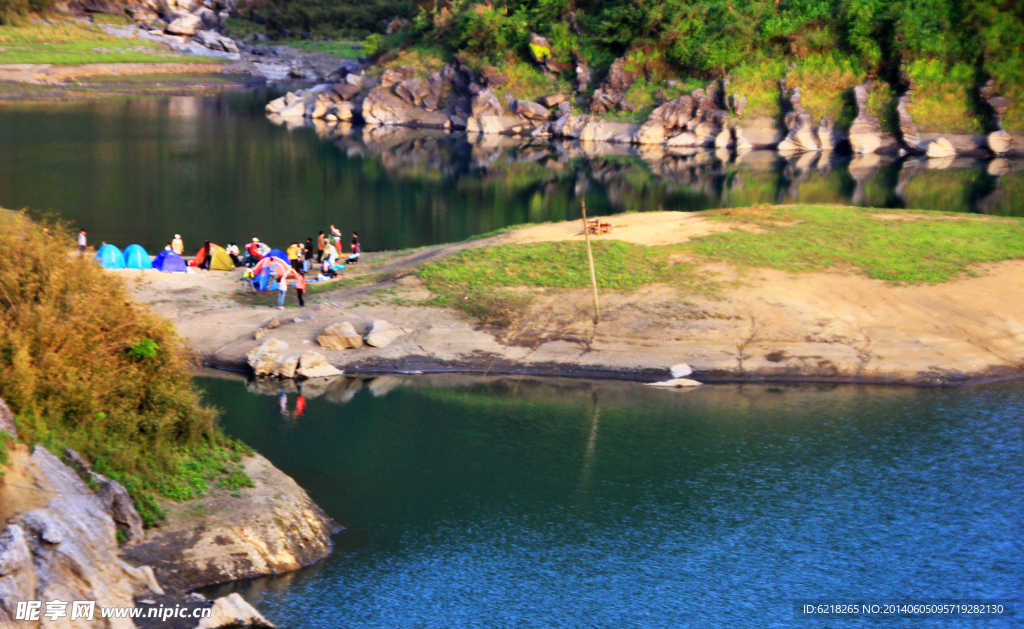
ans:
(717, 176)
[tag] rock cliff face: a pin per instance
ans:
(273, 528)
(60, 542)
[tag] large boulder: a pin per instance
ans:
(382, 333)
(484, 103)
(540, 49)
(413, 91)
(487, 124)
(998, 142)
(532, 112)
(340, 336)
(802, 140)
(184, 24)
(380, 108)
(650, 132)
(348, 87)
(264, 358)
(909, 132)
(865, 132)
(120, 506)
(826, 133)
(940, 149)
(313, 365)
(286, 368)
(552, 100)
(233, 611)
(215, 41)
(394, 76)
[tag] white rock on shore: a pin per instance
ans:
(313, 365)
(233, 611)
(340, 336)
(382, 334)
(940, 149)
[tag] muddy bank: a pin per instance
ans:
(761, 324)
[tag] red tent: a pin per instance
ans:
(201, 255)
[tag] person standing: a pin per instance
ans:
(336, 235)
(177, 245)
(321, 244)
(293, 255)
(307, 256)
(81, 242)
(232, 250)
(282, 290)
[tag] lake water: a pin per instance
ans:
(500, 502)
(141, 169)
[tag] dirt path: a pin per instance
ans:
(761, 323)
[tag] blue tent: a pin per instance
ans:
(110, 257)
(135, 257)
(169, 262)
(280, 255)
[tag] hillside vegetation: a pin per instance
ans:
(948, 48)
(83, 366)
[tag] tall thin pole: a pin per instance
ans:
(590, 257)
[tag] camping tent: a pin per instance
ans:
(220, 261)
(110, 257)
(269, 268)
(200, 256)
(277, 253)
(169, 262)
(135, 257)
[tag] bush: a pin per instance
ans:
(68, 375)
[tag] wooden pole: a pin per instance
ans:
(590, 257)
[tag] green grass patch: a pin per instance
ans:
(337, 48)
(5, 454)
(77, 43)
(919, 247)
(759, 84)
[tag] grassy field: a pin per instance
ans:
(75, 42)
(495, 284)
(86, 368)
(239, 28)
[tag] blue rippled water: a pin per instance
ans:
(476, 502)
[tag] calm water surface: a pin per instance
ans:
(475, 502)
(140, 170)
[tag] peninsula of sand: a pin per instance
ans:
(766, 293)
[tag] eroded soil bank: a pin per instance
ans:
(758, 324)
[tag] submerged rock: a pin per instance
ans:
(675, 383)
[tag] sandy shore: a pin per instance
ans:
(763, 324)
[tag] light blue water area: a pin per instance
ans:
(493, 502)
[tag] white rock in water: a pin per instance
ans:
(940, 148)
(675, 383)
(864, 143)
(264, 358)
(681, 370)
(233, 611)
(286, 368)
(382, 333)
(313, 365)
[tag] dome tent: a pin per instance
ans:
(169, 262)
(280, 255)
(110, 257)
(135, 257)
(220, 260)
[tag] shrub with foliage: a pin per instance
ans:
(83, 366)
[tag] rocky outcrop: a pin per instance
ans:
(382, 333)
(584, 75)
(827, 133)
(612, 92)
(340, 336)
(233, 611)
(800, 137)
(119, 505)
(909, 132)
(530, 111)
(60, 542)
(264, 357)
(184, 24)
(215, 41)
(274, 528)
(865, 132)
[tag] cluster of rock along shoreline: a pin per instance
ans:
(458, 97)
